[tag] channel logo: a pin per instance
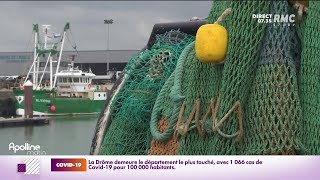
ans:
(30, 166)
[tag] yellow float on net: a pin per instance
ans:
(211, 41)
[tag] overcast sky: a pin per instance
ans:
(133, 21)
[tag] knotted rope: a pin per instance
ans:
(183, 126)
(223, 16)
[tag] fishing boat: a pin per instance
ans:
(61, 90)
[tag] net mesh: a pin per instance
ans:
(200, 83)
(162, 111)
(131, 108)
(310, 78)
(243, 50)
(264, 100)
(274, 110)
(197, 85)
(170, 147)
(192, 82)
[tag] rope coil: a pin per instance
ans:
(176, 77)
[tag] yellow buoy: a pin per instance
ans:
(211, 43)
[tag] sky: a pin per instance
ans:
(133, 21)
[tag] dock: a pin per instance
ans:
(21, 121)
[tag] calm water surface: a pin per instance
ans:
(63, 136)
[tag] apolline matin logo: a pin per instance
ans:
(28, 148)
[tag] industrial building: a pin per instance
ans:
(99, 61)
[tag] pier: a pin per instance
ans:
(21, 121)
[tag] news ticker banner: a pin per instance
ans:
(159, 167)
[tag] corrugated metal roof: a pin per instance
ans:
(96, 56)
(102, 56)
(12, 63)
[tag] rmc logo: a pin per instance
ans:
(280, 18)
(284, 19)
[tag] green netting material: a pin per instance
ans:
(190, 81)
(273, 120)
(196, 81)
(279, 93)
(175, 100)
(131, 109)
(245, 37)
(199, 82)
(203, 86)
(310, 78)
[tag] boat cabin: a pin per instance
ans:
(74, 83)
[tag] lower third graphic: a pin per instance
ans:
(30, 166)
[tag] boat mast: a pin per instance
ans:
(45, 67)
(66, 27)
(35, 56)
(46, 48)
(51, 70)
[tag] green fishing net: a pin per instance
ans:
(264, 99)
(273, 120)
(245, 40)
(191, 81)
(310, 78)
(197, 86)
(166, 144)
(131, 109)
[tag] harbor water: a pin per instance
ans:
(63, 136)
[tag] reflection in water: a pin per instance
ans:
(63, 136)
(28, 133)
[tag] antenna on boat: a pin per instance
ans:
(72, 61)
(45, 27)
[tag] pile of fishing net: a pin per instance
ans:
(265, 98)
(132, 107)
